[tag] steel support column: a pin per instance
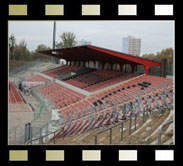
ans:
(111, 66)
(130, 125)
(79, 63)
(121, 67)
(110, 136)
(135, 121)
(121, 138)
(147, 70)
(132, 68)
(103, 66)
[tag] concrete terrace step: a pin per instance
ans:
(88, 138)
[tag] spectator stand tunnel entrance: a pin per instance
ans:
(100, 58)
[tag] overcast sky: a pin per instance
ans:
(155, 35)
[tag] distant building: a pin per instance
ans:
(131, 45)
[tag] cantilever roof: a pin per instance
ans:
(93, 53)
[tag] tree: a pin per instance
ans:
(37, 55)
(149, 56)
(167, 54)
(21, 51)
(12, 44)
(41, 47)
(163, 54)
(68, 40)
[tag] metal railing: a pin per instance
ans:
(110, 129)
(121, 130)
(90, 115)
(40, 139)
(61, 128)
(87, 115)
(160, 131)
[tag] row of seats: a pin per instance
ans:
(142, 94)
(59, 95)
(14, 97)
(61, 71)
(86, 80)
(79, 72)
(37, 78)
(107, 73)
(110, 82)
(77, 83)
(93, 78)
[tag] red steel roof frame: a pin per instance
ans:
(100, 54)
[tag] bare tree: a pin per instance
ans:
(12, 43)
(68, 40)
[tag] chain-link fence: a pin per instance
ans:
(32, 129)
(16, 135)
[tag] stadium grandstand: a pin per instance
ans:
(14, 96)
(96, 88)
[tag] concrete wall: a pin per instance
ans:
(45, 76)
(86, 93)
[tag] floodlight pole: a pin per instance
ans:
(54, 41)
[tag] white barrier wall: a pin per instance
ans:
(32, 84)
(45, 76)
(86, 93)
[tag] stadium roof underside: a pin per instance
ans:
(92, 53)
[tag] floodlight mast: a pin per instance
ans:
(54, 39)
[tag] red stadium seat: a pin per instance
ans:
(14, 97)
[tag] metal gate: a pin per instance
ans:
(28, 132)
